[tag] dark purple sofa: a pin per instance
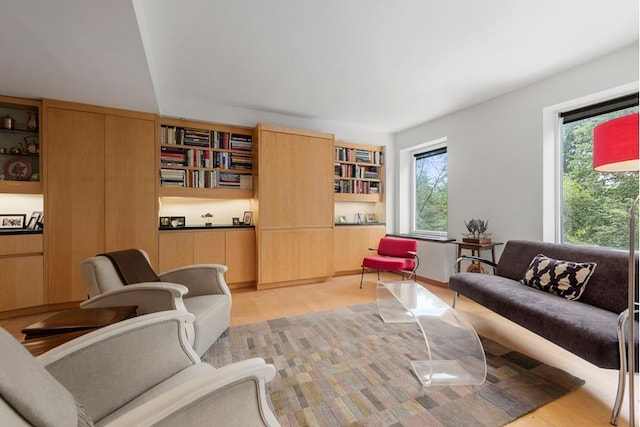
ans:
(585, 327)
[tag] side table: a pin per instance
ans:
(476, 249)
(67, 325)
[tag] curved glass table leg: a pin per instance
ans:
(455, 355)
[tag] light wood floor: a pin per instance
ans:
(588, 406)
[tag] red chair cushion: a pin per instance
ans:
(384, 263)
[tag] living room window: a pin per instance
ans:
(594, 206)
(429, 190)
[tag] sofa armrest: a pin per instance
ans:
(111, 366)
(232, 395)
(150, 297)
(201, 279)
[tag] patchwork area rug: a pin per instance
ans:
(346, 367)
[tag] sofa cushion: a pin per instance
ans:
(563, 278)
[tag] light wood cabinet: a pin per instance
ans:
(235, 248)
(352, 244)
(295, 219)
(22, 267)
(99, 189)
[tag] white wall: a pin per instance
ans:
(495, 150)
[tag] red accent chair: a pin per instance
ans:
(394, 254)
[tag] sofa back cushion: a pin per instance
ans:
(607, 286)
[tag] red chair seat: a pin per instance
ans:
(394, 254)
(383, 263)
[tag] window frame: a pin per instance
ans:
(435, 146)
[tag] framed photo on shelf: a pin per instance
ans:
(165, 222)
(236, 220)
(14, 221)
(342, 219)
(35, 222)
(247, 217)
(369, 218)
(178, 221)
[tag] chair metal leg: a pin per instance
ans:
(622, 373)
(361, 276)
(455, 299)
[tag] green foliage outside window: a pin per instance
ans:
(431, 191)
(595, 205)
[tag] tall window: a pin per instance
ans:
(595, 205)
(430, 195)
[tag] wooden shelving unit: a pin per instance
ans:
(358, 172)
(20, 160)
(206, 160)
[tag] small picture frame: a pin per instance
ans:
(236, 220)
(165, 222)
(178, 221)
(247, 217)
(12, 221)
(342, 219)
(370, 218)
(35, 222)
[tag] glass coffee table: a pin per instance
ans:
(455, 355)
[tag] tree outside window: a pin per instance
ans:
(595, 205)
(430, 201)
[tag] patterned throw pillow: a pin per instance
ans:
(564, 278)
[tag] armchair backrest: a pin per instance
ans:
(397, 247)
(100, 275)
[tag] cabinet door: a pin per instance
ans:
(130, 207)
(279, 256)
(359, 246)
(241, 256)
(74, 199)
(316, 253)
(175, 249)
(22, 282)
(341, 252)
(209, 247)
(313, 197)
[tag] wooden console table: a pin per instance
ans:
(476, 249)
(67, 325)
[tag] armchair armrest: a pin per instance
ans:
(150, 297)
(232, 395)
(201, 279)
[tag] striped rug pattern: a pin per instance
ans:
(346, 367)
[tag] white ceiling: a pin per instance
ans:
(371, 64)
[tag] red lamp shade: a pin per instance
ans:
(615, 145)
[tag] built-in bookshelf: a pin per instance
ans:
(20, 162)
(358, 172)
(199, 159)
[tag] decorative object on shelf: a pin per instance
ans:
(14, 221)
(477, 231)
(370, 218)
(247, 217)
(235, 220)
(358, 219)
(17, 169)
(7, 122)
(30, 145)
(207, 222)
(165, 222)
(342, 219)
(32, 121)
(615, 149)
(178, 221)
(34, 221)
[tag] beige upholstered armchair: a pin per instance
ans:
(199, 289)
(138, 372)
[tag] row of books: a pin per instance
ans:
(193, 157)
(344, 154)
(341, 170)
(204, 138)
(357, 187)
(204, 179)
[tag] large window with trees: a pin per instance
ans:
(594, 205)
(430, 191)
